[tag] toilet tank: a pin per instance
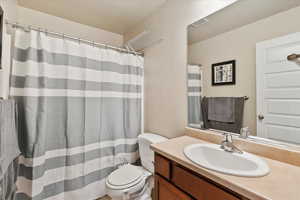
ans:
(146, 154)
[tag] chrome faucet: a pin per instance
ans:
(228, 146)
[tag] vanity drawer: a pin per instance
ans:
(197, 187)
(162, 166)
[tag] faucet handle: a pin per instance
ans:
(228, 145)
(244, 133)
(227, 136)
(225, 142)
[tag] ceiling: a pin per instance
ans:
(236, 15)
(112, 15)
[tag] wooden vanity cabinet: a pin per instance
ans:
(174, 182)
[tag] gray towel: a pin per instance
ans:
(9, 149)
(234, 127)
(221, 109)
(8, 185)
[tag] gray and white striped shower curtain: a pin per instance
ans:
(194, 85)
(80, 115)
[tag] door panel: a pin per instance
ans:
(278, 89)
(282, 132)
(282, 94)
(284, 107)
(283, 80)
(279, 52)
(289, 121)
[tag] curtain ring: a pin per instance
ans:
(27, 28)
(16, 25)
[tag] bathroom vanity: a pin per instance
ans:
(178, 178)
(175, 182)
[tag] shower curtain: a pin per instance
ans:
(194, 96)
(79, 115)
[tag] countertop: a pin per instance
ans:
(282, 183)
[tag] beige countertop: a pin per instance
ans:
(282, 183)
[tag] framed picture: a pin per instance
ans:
(223, 73)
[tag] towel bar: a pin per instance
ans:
(246, 97)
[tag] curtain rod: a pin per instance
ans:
(40, 29)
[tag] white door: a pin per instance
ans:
(278, 89)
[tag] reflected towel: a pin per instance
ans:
(230, 127)
(221, 109)
(8, 182)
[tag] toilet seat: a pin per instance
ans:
(125, 177)
(126, 181)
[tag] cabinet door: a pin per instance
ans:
(198, 188)
(166, 191)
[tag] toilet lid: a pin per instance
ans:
(126, 175)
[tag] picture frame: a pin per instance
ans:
(223, 73)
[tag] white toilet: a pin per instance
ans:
(134, 182)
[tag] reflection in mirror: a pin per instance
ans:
(243, 70)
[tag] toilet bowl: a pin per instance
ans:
(130, 182)
(126, 181)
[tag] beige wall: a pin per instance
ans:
(10, 12)
(56, 24)
(239, 44)
(165, 63)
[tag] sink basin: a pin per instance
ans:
(211, 156)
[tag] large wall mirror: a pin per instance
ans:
(244, 70)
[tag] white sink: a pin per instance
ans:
(212, 157)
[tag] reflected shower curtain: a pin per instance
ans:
(80, 115)
(194, 96)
